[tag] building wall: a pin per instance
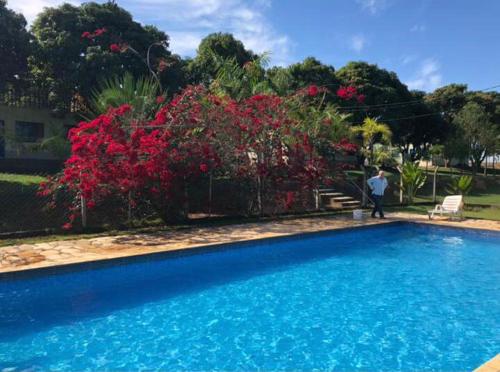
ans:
(16, 148)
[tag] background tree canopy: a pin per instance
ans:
(65, 63)
(203, 68)
(15, 44)
(71, 50)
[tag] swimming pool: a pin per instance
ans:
(395, 297)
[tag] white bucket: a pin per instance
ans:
(357, 214)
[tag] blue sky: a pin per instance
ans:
(428, 43)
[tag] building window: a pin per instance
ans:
(27, 131)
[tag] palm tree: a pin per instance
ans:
(240, 82)
(371, 132)
(140, 93)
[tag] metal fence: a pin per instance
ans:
(23, 210)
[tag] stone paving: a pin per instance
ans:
(30, 256)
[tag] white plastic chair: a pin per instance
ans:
(452, 205)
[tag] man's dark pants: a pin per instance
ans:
(377, 200)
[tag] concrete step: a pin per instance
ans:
(330, 194)
(342, 198)
(351, 202)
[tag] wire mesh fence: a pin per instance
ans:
(23, 210)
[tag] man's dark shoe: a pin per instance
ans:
(382, 217)
(373, 216)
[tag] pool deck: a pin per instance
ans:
(24, 257)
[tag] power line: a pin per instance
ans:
(366, 107)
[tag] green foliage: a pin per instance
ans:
(15, 46)
(204, 67)
(475, 127)
(413, 178)
(66, 64)
(456, 148)
(140, 93)
(384, 156)
(448, 100)
(300, 75)
(371, 131)
(57, 143)
(240, 82)
(460, 185)
(381, 87)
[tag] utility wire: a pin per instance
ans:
(357, 107)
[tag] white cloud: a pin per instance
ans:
(188, 21)
(372, 6)
(418, 28)
(358, 42)
(183, 43)
(30, 8)
(408, 59)
(428, 77)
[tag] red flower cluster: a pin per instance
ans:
(350, 92)
(347, 93)
(193, 134)
(347, 147)
(312, 90)
(116, 48)
(93, 35)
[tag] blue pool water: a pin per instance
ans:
(392, 298)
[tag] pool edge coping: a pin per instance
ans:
(20, 272)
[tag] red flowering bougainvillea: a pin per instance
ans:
(257, 141)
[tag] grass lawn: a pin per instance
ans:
(486, 190)
(486, 213)
(21, 179)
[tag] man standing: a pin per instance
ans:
(378, 184)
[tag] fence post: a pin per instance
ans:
(84, 212)
(400, 170)
(316, 198)
(434, 185)
(129, 211)
(210, 195)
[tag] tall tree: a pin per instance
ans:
(80, 45)
(299, 75)
(448, 100)
(204, 67)
(387, 98)
(480, 134)
(15, 46)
